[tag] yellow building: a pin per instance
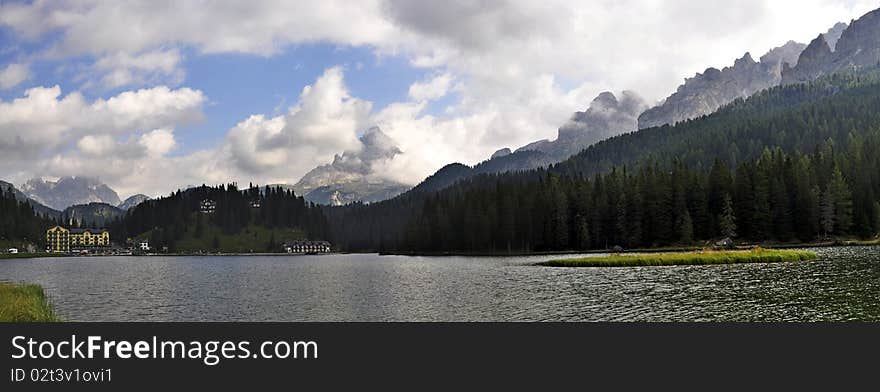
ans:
(60, 239)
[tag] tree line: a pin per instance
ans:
(19, 222)
(167, 219)
(793, 163)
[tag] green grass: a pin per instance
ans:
(691, 258)
(24, 303)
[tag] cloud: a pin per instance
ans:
(431, 89)
(519, 69)
(13, 74)
(122, 69)
(324, 122)
(44, 133)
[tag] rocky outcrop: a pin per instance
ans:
(858, 46)
(501, 153)
(814, 61)
(708, 91)
(69, 191)
(833, 35)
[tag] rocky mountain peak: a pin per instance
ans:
(68, 191)
(706, 92)
(834, 33)
(352, 175)
(858, 46)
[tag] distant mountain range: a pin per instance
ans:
(352, 176)
(69, 191)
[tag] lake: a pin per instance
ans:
(843, 285)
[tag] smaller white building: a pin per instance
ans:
(144, 246)
(13, 251)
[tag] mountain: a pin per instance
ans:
(706, 92)
(352, 176)
(791, 162)
(92, 214)
(857, 47)
(834, 33)
(69, 191)
(606, 117)
(38, 208)
(132, 202)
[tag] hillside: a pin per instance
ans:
(241, 221)
(795, 162)
(38, 208)
(92, 214)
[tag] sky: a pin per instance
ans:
(152, 96)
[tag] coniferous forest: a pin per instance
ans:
(791, 164)
(166, 220)
(19, 222)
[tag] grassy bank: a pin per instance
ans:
(693, 258)
(24, 303)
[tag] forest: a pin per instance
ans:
(167, 220)
(787, 165)
(790, 164)
(19, 224)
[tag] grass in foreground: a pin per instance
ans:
(24, 303)
(693, 258)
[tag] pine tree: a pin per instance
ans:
(727, 219)
(841, 198)
(685, 229)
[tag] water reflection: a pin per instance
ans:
(843, 285)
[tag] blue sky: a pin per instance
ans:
(154, 96)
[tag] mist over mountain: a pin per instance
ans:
(606, 117)
(858, 46)
(68, 191)
(354, 175)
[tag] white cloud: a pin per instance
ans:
(122, 69)
(324, 122)
(158, 142)
(519, 69)
(13, 74)
(46, 134)
(432, 89)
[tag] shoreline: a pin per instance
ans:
(758, 256)
(680, 249)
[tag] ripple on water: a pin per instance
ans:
(843, 285)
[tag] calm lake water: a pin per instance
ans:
(843, 285)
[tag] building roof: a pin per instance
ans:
(80, 231)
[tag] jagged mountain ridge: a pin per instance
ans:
(704, 93)
(858, 46)
(69, 191)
